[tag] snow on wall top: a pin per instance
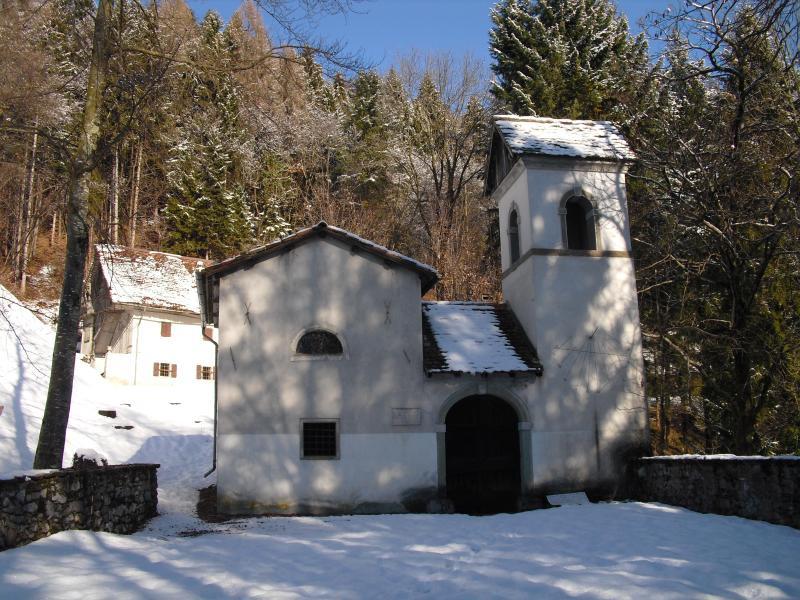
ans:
(476, 338)
(722, 457)
(599, 140)
(148, 278)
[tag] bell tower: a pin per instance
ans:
(568, 275)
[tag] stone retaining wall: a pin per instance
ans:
(117, 499)
(766, 489)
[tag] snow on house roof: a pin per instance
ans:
(209, 276)
(149, 278)
(471, 337)
(599, 140)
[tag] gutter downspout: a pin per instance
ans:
(135, 349)
(200, 289)
(216, 360)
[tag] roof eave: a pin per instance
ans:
(225, 267)
(210, 276)
(153, 307)
(559, 157)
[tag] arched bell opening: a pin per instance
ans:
(579, 225)
(482, 448)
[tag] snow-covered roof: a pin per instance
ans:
(148, 278)
(599, 140)
(471, 337)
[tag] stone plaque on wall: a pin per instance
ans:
(406, 416)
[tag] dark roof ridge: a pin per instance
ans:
(322, 228)
(210, 276)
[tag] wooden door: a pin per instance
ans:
(482, 456)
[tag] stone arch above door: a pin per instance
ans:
(485, 389)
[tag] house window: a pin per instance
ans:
(319, 342)
(166, 329)
(206, 373)
(320, 438)
(513, 236)
(161, 369)
(580, 224)
(208, 332)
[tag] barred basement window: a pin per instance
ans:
(320, 438)
(319, 342)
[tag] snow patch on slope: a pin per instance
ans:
(176, 432)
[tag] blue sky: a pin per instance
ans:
(384, 29)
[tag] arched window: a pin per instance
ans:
(513, 236)
(319, 342)
(580, 224)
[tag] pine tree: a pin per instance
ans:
(365, 159)
(563, 58)
(718, 223)
(208, 211)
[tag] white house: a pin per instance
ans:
(340, 390)
(141, 323)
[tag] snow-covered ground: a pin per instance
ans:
(619, 550)
(172, 431)
(594, 551)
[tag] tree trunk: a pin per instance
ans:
(707, 431)
(36, 205)
(54, 227)
(744, 418)
(114, 208)
(134, 205)
(24, 225)
(18, 232)
(50, 449)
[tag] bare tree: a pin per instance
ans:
(719, 158)
(94, 143)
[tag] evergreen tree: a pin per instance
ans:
(716, 230)
(563, 58)
(208, 211)
(365, 160)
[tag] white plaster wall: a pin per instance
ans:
(574, 431)
(581, 314)
(375, 310)
(515, 195)
(379, 469)
(264, 389)
(604, 185)
(185, 347)
(590, 406)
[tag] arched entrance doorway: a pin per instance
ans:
(482, 455)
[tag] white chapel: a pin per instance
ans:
(340, 390)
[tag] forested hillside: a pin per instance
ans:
(146, 125)
(219, 141)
